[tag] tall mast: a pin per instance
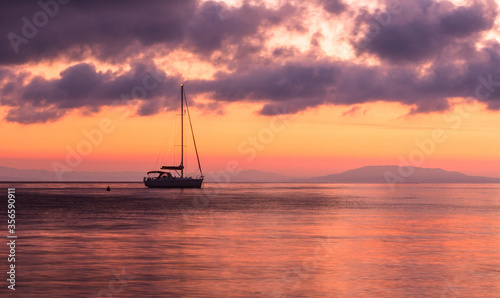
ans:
(182, 130)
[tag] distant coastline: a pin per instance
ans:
(368, 174)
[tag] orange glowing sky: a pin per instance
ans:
(318, 139)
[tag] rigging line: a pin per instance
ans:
(192, 133)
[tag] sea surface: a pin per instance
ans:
(254, 240)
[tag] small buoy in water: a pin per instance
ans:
(108, 189)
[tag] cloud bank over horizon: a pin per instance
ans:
(280, 54)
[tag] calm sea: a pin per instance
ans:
(266, 240)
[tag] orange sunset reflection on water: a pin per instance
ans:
(271, 240)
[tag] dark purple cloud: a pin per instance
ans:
(334, 6)
(303, 84)
(464, 21)
(104, 29)
(114, 30)
(423, 30)
(215, 24)
(82, 86)
(27, 114)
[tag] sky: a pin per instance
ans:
(300, 88)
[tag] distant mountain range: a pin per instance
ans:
(11, 174)
(395, 174)
(368, 174)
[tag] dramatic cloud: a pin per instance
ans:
(105, 30)
(418, 53)
(299, 85)
(417, 30)
(114, 31)
(82, 86)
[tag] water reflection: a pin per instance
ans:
(271, 240)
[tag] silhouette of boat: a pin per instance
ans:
(173, 177)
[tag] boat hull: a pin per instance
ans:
(173, 183)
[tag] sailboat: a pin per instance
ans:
(173, 176)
